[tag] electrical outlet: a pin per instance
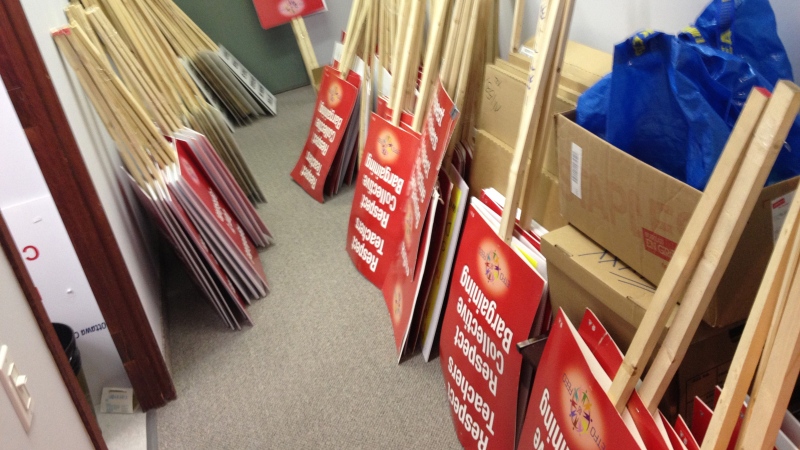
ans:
(16, 386)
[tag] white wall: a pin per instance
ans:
(39, 235)
(56, 423)
(102, 161)
(597, 23)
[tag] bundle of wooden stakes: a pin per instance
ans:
(176, 172)
(694, 273)
(402, 65)
(152, 38)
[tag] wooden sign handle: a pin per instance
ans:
(551, 16)
(771, 396)
(431, 64)
(516, 26)
(306, 48)
(687, 254)
(352, 41)
(779, 115)
(401, 75)
(782, 265)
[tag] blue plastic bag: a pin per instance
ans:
(672, 102)
(745, 28)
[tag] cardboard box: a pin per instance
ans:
(582, 274)
(583, 65)
(502, 100)
(639, 214)
(491, 162)
(493, 158)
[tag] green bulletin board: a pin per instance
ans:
(271, 55)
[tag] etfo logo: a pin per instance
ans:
(290, 8)
(580, 410)
(335, 94)
(491, 267)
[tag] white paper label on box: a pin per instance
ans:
(575, 170)
(780, 207)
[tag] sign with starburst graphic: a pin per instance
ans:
(272, 13)
(569, 407)
(332, 112)
(493, 301)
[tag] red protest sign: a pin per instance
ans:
(335, 103)
(401, 289)
(272, 13)
(494, 297)
(568, 406)
(378, 217)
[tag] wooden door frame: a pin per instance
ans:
(34, 98)
(50, 337)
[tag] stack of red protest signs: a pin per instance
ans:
(495, 294)
(328, 159)
(401, 159)
(414, 238)
(191, 195)
(206, 218)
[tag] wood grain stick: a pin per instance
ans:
(432, 61)
(740, 374)
(400, 78)
(309, 58)
(688, 252)
(533, 199)
(767, 141)
(448, 54)
(768, 406)
(551, 12)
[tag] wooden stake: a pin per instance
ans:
(769, 137)
(448, 57)
(782, 265)
(400, 78)
(687, 254)
(768, 407)
(539, 73)
(516, 26)
(306, 49)
(534, 199)
(432, 61)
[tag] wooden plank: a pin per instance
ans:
(401, 76)
(782, 265)
(768, 406)
(448, 53)
(352, 40)
(767, 141)
(414, 51)
(550, 20)
(304, 44)
(534, 198)
(516, 26)
(688, 252)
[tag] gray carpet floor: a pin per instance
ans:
(318, 369)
